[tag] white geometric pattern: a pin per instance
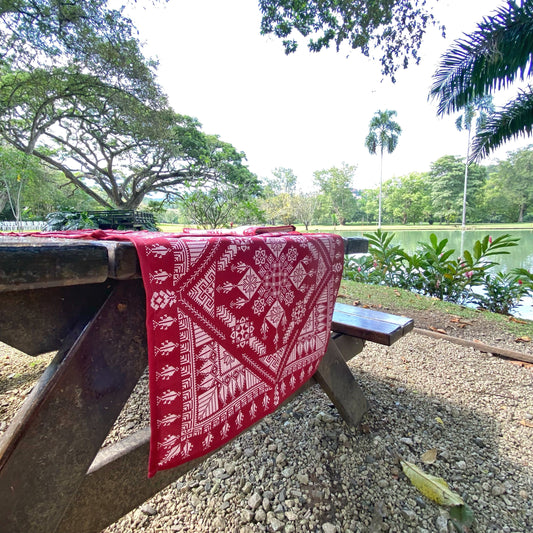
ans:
(238, 323)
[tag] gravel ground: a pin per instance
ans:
(303, 469)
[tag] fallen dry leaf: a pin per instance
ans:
(365, 428)
(524, 338)
(356, 302)
(517, 320)
(432, 487)
(397, 293)
(439, 420)
(429, 457)
(438, 330)
(527, 423)
(460, 321)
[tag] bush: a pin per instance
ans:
(434, 270)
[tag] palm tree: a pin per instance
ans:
(480, 107)
(384, 133)
(498, 53)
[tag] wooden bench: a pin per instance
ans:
(351, 328)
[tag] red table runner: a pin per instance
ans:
(236, 323)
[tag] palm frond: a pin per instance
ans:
(514, 120)
(494, 56)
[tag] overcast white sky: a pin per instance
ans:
(305, 111)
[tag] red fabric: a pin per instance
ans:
(235, 325)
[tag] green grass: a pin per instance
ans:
(402, 300)
(177, 228)
(422, 227)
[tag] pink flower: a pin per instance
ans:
(375, 264)
(358, 269)
(519, 282)
(490, 239)
(469, 274)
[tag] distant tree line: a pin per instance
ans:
(499, 193)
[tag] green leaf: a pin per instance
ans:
(477, 250)
(462, 517)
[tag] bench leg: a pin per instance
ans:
(348, 346)
(338, 383)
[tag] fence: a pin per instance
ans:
(23, 225)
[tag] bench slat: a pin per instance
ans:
(405, 323)
(366, 324)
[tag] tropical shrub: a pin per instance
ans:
(435, 270)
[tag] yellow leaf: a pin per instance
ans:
(434, 488)
(439, 420)
(429, 457)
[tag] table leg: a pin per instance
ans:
(337, 381)
(52, 442)
(117, 480)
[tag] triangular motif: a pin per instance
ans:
(275, 245)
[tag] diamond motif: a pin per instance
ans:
(249, 283)
(298, 275)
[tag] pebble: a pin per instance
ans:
(275, 524)
(255, 501)
(148, 509)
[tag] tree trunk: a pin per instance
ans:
(466, 178)
(521, 214)
(380, 188)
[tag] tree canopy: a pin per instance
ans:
(77, 92)
(394, 28)
(497, 54)
(447, 182)
(336, 186)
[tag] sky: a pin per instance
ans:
(306, 111)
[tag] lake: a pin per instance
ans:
(520, 256)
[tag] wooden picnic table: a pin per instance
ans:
(86, 300)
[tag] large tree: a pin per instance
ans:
(336, 185)
(107, 142)
(77, 92)
(384, 133)
(393, 28)
(408, 198)
(509, 191)
(447, 181)
(491, 58)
